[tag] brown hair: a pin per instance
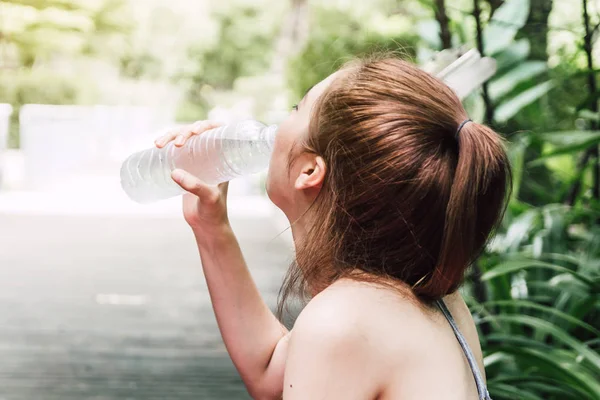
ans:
(404, 199)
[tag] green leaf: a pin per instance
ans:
(540, 384)
(588, 114)
(584, 307)
(494, 358)
(593, 342)
(508, 267)
(548, 364)
(516, 155)
(566, 142)
(507, 20)
(511, 107)
(551, 329)
(546, 292)
(545, 309)
(501, 390)
(516, 53)
(569, 138)
(517, 340)
(563, 393)
(505, 83)
(562, 257)
(567, 283)
(478, 309)
(520, 228)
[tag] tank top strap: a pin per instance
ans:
(481, 387)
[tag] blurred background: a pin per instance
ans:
(101, 298)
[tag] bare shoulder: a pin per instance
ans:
(337, 304)
(332, 313)
(361, 312)
(330, 345)
(354, 324)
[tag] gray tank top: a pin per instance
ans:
(481, 388)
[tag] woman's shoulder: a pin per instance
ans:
(366, 312)
(333, 335)
(338, 307)
(356, 298)
(352, 324)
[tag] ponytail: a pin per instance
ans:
(404, 200)
(476, 205)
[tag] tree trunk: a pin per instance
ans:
(494, 5)
(442, 19)
(536, 29)
(489, 107)
(593, 89)
(592, 152)
(293, 34)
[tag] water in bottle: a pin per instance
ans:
(215, 156)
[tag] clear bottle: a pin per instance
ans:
(215, 156)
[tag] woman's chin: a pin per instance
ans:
(275, 196)
(270, 193)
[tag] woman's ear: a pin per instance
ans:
(312, 173)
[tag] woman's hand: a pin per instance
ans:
(254, 338)
(204, 206)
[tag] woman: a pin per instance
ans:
(391, 192)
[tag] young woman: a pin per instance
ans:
(391, 192)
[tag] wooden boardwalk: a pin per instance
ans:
(117, 308)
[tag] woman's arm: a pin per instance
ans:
(255, 340)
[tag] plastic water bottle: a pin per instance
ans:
(215, 156)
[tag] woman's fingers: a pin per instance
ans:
(194, 129)
(186, 132)
(190, 183)
(167, 137)
(181, 135)
(224, 187)
(201, 126)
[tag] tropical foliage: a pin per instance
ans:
(535, 293)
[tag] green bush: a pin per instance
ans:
(539, 318)
(535, 292)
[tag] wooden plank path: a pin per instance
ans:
(117, 308)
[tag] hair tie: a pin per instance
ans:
(461, 126)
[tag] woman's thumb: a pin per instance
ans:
(192, 184)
